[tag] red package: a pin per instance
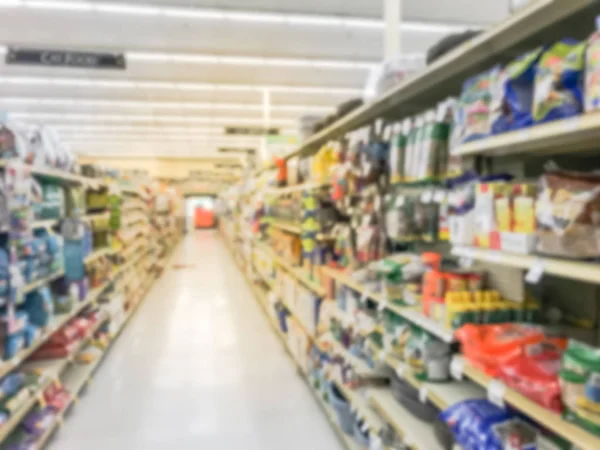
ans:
(489, 346)
(82, 325)
(64, 336)
(53, 351)
(534, 373)
(57, 397)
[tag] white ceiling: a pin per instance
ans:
(204, 64)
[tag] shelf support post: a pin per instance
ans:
(392, 16)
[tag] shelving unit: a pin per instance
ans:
(417, 434)
(550, 420)
(408, 312)
(541, 22)
(286, 226)
(106, 298)
(296, 272)
(347, 441)
(580, 132)
(576, 270)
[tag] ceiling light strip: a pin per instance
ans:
(143, 118)
(62, 127)
(178, 86)
(256, 61)
(29, 101)
(213, 14)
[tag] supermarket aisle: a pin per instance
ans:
(198, 367)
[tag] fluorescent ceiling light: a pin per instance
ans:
(28, 101)
(119, 8)
(96, 128)
(180, 86)
(144, 118)
(51, 4)
(193, 13)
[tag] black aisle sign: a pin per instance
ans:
(65, 58)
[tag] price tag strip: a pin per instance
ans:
(495, 392)
(535, 274)
(457, 368)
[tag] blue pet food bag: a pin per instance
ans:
(558, 91)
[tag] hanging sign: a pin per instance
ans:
(65, 58)
(251, 131)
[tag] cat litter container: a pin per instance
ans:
(342, 409)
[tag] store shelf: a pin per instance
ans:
(49, 223)
(49, 370)
(131, 191)
(296, 272)
(348, 442)
(575, 270)
(540, 22)
(361, 406)
(56, 322)
(78, 375)
(260, 297)
(361, 368)
(98, 254)
(16, 418)
(300, 322)
(347, 280)
(568, 135)
(297, 188)
(442, 395)
(415, 316)
(287, 226)
(415, 433)
(56, 174)
(548, 419)
(42, 281)
(410, 313)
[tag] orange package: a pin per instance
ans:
(489, 346)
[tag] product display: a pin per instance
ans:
(55, 285)
(384, 270)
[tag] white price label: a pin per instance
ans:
(524, 135)
(465, 262)
(439, 196)
(426, 197)
(534, 275)
(572, 124)
(375, 443)
(383, 355)
(399, 201)
(423, 393)
(457, 368)
(495, 391)
(400, 369)
(382, 305)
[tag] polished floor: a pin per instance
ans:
(197, 368)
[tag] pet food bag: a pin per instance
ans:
(558, 91)
(512, 94)
(580, 385)
(568, 214)
(592, 71)
(475, 99)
